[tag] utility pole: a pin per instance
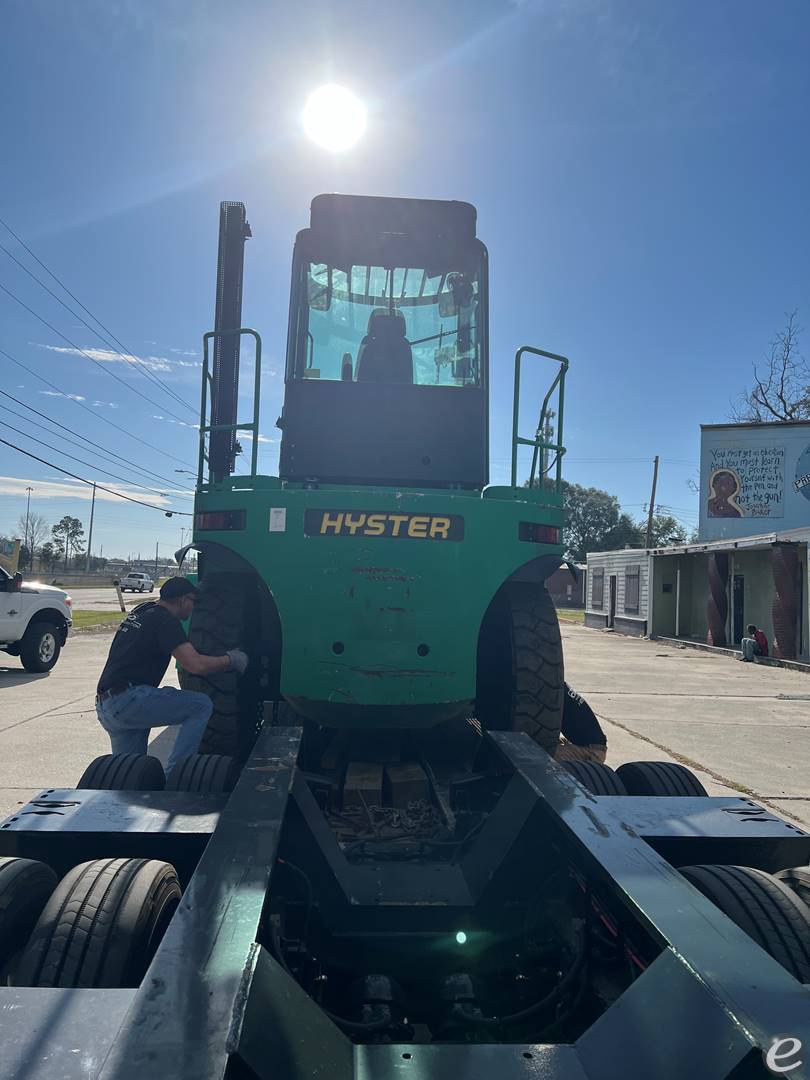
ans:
(157, 545)
(548, 433)
(90, 537)
(27, 515)
(652, 503)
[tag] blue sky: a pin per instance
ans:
(640, 172)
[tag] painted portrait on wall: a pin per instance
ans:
(724, 487)
(746, 482)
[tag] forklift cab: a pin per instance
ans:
(387, 359)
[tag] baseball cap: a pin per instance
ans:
(176, 587)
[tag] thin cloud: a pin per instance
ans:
(58, 393)
(107, 356)
(249, 436)
(73, 489)
(107, 404)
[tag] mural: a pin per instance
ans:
(802, 482)
(748, 482)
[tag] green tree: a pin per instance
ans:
(594, 522)
(68, 537)
(48, 556)
(665, 530)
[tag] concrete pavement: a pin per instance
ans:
(105, 599)
(742, 727)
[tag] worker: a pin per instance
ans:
(582, 737)
(129, 698)
(756, 644)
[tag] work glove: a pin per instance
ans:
(238, 660)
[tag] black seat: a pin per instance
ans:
(385, 353)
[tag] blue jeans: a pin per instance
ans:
(128, 718)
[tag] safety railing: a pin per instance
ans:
(207, 389)
(540, 443)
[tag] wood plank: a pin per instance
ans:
(408, 783)
(363, 784)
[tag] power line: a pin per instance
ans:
(73, 457)
(106, 452)
(110, 491)
(84, 308)
(86, 408)
(128, 357)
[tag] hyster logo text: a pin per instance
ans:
(373, 523)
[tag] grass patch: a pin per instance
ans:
(572, 615)
(83, 619)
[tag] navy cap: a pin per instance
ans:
(175, 587)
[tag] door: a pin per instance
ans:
(10, 605)
(612, 615)
(738, 607)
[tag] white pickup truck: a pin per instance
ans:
(35, 621)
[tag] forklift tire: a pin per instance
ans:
(598, 779)
(102, 925)
(520, 665)
(210, 774)
(763, 907)
(797, 880)
(123, 772)
(25, 887)
(217, 625)
(663, 778)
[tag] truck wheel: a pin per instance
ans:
(102, 925)
(217, 624)
(763, 907)
(598, 779)
(212, 774)
(665, 778)
(797, 880)
(520, 680)
(40, 647)
(123, 772)
(25, 886)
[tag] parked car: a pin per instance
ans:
(137, 583)
(35, 621)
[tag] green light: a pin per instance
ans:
(461, 938)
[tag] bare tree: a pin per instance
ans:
(781, 389)
(38, 530)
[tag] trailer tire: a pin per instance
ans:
(217, 625)
(40, 647)
(662, 778)
(520, 677)
(598, 779)
(211, 774)
(102, 925)
(762, 906)
(123, 772)
(25, 887)
(797, 879)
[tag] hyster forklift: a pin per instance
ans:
(376, 868)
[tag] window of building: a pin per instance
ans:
(631, 589)
(598, 588)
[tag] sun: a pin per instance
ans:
(334, 117)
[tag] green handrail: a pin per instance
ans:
(205, 429)
(538, 442)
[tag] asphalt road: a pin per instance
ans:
(742, 726)
(105, 599)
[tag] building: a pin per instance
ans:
(566, 586)
(750, 562)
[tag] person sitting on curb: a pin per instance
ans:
(129, 698)
(582, 737)
(756, 644)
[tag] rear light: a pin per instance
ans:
(220, 520)
(539, 534)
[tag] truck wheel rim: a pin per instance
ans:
(47, 647)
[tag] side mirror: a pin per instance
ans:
(319, 292)
(16, 582)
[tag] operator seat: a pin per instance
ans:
(385, 353)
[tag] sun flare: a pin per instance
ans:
(334, 117)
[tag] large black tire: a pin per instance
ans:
(212, 774)
(764, 908)
(102, 925)
(123, 772)
(598, 779)
(25, 887)
(797, 880)
(40, 646)
(520, 665)
(217, 625)
(665, 778)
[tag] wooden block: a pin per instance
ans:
(408, 783)
(363, 784)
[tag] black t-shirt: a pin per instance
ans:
(142, 647)
(579, 724)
